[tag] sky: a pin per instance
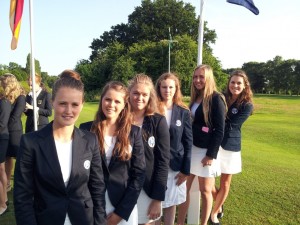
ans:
(63, 30)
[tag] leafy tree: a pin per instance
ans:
(28, 63)
(151, 21)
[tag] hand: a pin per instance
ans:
(113, 219)
(154, 210)
(28, 106)
(180, 178)
(207, 161)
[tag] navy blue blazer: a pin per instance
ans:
(5, 108)
(236, 116)
(15, 122)
(212, 137)
(156, 140)
(40, 194)
(181, 140)
(43, 102)
(124, 179)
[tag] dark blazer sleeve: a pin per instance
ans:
(161, 160)
(23, 183)
(244, 113)
(16, 114)
(136, 176)
(187, 141)
(97, 186)
(218, 113)
(47, 109)
(5, 108)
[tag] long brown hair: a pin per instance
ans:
(122, 146)
(146, 80)
(246, 95)
(207, 92)
(177, 98)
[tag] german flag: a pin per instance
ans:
(15, 16)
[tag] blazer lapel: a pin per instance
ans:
(78, 148)
(47, 146)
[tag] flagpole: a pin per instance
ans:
(169, 50)
(32, 64)
(200, 34)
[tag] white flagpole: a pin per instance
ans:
(169, 67)
(194, 207)
(200, 34)
(32, 64)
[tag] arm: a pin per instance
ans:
(187, 141)
(18, 109)
(5, 108)
(136, 177)
(218, 126)
(97, 186)
(47, 110)
(24, 184)
(161, 160)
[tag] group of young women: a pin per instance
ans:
(137, 159)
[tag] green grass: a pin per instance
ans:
(268, 189)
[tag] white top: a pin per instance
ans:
(64, 153)
(168, 113)
(194, 108)
(109, 144)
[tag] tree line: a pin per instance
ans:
(142, 46)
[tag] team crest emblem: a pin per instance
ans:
(234, 110)
(87, 164)
(151, 141)
(178, 123)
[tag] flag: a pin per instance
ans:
(246, 3)
(15, 16)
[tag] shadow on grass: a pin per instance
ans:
(8, 218)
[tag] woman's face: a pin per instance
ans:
(236, 85)
(112, 104)
(139, 97)
(37, 85)
(167, 89)
(67, 106)
(199, 79)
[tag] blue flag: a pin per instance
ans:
(246, 3)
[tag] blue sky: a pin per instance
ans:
(64, 30)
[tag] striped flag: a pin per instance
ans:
(249, 4)
(15, 16)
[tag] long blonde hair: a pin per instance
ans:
(177, 98)
(124, 121)
(146, 80)
(11, 87)
(207, 92)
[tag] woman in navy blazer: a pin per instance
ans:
(43, 103)
(181, 140)
(15, 126)
(208, 110)
(156, 140)
(5, 108)
(239, 100)
(58, 174)
(122, 154)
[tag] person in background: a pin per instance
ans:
(181, 140)
(239, 100)
(122, 154)
(208, 110)
(43, 103)
(15, 127)
(5, 108)
(156, 140)
(58, 173)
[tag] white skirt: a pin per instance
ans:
(197, 167)
(133, 219)
(143, 205)
(175, 194)
(231, 162)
